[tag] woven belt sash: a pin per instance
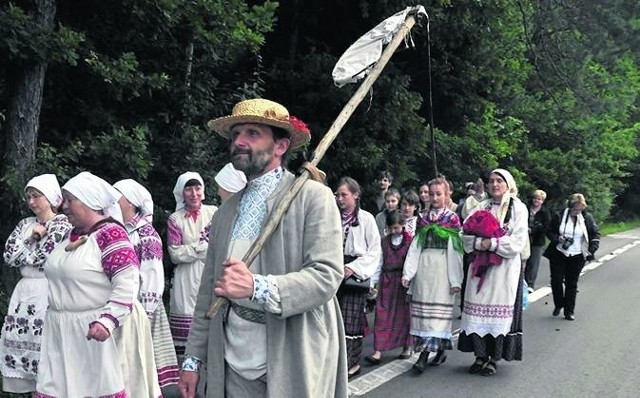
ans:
(249, 314)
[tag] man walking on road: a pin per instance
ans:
(283, 334)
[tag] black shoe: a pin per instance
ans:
(477, 366)
(405, 354)
(370, 359)
(490, 369)
(440, 357)
(569, 316)
(556, 311)
(421, 363)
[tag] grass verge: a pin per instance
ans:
(608, 228)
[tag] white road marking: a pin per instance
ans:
(374, 379)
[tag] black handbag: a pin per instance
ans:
(354, 283)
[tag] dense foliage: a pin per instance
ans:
(547, 89)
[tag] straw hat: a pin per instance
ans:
(262, 111)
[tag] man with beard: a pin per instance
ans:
(282, 335)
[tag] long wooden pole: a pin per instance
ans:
(278, 213)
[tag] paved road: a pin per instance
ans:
(594, 356)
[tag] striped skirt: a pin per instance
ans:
(180, 325)
(163, 349)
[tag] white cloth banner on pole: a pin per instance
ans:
(360, 57)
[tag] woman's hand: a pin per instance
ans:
(98, 332)
(406, 283)
(347, 272)
(454, 290)
(40, 231)
(485, 244)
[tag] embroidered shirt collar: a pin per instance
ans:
(252, 209)
(264, 185)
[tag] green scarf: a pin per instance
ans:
(442, 233)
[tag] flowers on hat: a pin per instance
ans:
(299, 125)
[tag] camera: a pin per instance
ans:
(567, 242)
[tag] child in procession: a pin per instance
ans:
(433, 269)
(391, 202)
(391, 328)
(409, 205)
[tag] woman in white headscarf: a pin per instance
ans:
(96, 340)
(230, 181)
(188, 240)
(491, 324)
(27, 249)
(137, 213)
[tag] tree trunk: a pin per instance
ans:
(24, 107)
(22, 125)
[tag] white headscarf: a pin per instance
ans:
(95, 193)
(138, 195)
(512, 192)
(179, 188)
(231, 179)
(48, 185)
(508, 178)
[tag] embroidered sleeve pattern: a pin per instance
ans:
(151, 268)
(260, 289)
(21, 253)
(57, 230)
(191, 364)
(204, 234)
(174, 233)
(119, 263)
(179, 252)
(117, 251)
(273, 303)
(15, 248)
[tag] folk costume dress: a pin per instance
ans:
(362, 252)
(23, 324)
(391, 327)
(188, 240)
(492, 317)
(434, 266)
(96, 282)
(148, 248)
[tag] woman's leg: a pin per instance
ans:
(558, 270)
(533, 264)
(571, 282)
